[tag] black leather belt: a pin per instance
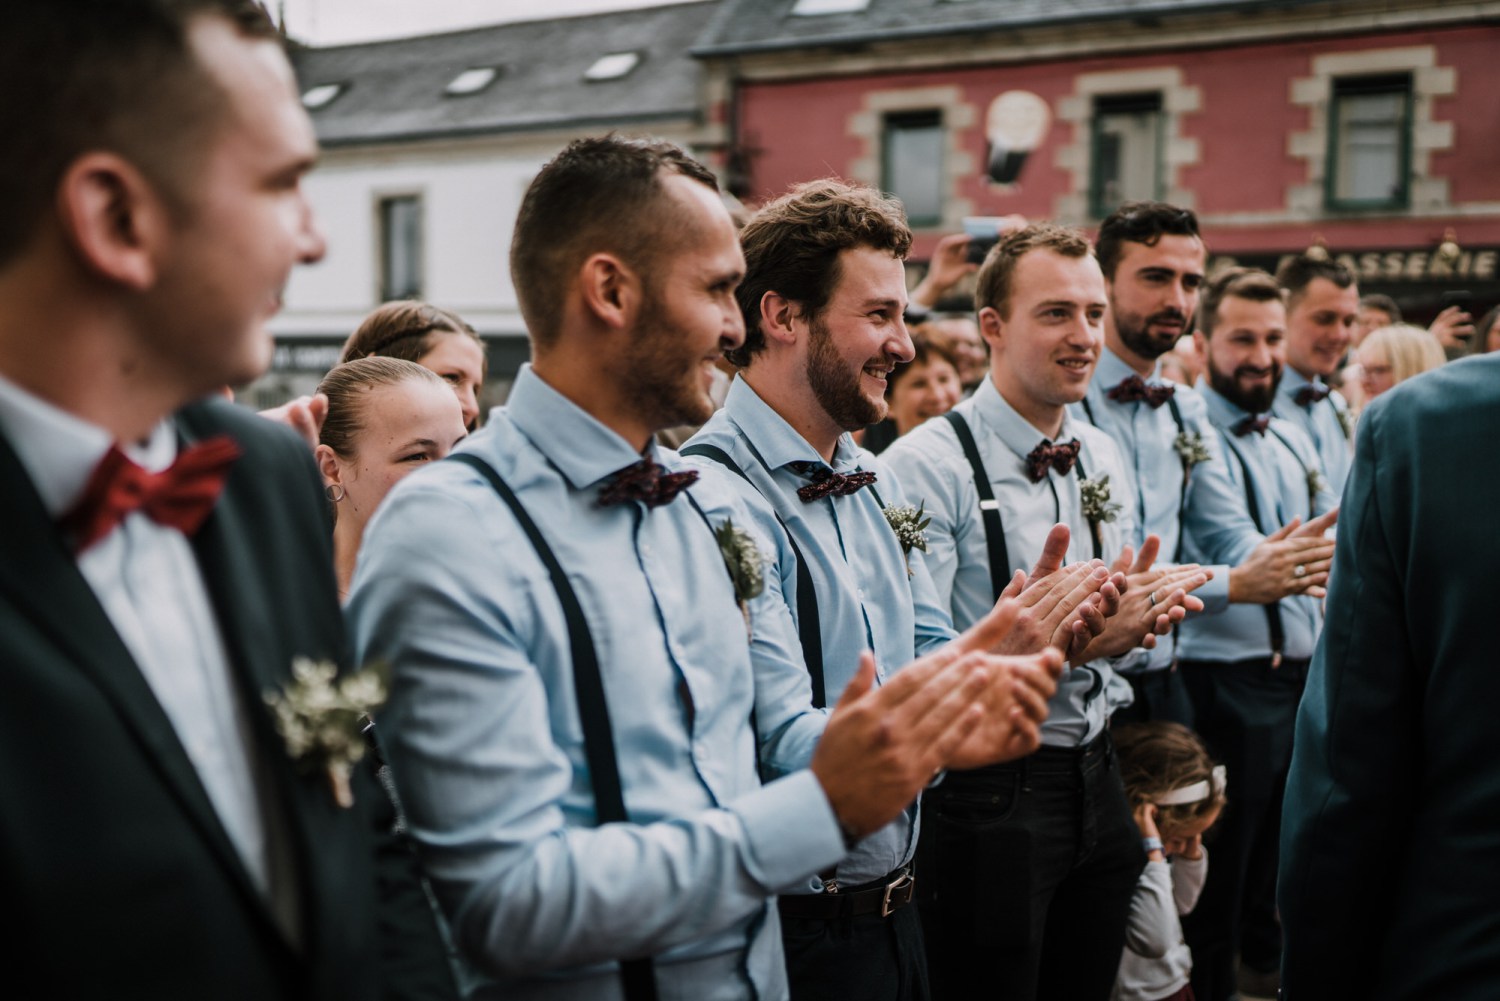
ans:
(888, 895)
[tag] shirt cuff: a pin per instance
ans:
(782, 853)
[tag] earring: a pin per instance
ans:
(334, 498)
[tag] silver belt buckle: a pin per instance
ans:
(885, 902)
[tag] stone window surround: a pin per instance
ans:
(1077, 109)
(868, 124)
(1315, 92)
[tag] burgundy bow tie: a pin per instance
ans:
(180, 496)
(826, 482)
(1060, 457)
(1310, 394)
(646, 482)
(1133, 388)
(1255, 422)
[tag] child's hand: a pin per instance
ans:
(1145, 819)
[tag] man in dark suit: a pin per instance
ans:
(163, 561)
(1390, 879)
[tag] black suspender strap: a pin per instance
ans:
(809, 632)
(637, 975)
(989, 507)
(1182, 495)
(1273, 609)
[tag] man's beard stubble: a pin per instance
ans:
(835, 387)
(662, 378)
(1137, 336)
(1255, 401)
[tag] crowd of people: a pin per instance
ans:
(369, 696)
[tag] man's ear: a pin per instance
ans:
(1200, 348)
(992, 328)
(778, 318)
(611, 291)
(113, 218)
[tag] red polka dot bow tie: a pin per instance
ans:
(646, 482)
(1059, 457)
(180, 496)
(1310, 394)
(1133, 388)
(826, 483)
(1255, 422)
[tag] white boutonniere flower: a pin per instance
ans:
(1191, 448)
(908, 524)
(1093, 497)
(322, 719)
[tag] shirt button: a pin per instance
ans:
(861, 593)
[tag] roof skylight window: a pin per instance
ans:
(471, 81)
(613, 66)
(809, 8)
(321, 96)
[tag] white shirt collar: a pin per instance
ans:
(59, 450)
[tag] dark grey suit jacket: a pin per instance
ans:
(1390, 856)
(118, 877)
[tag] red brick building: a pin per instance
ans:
(1370, 126)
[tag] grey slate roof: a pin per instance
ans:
(745, 26)
(395, 89)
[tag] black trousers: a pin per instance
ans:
(1246, 712)
(867, 957)
(1028, 869)
(1160, 696)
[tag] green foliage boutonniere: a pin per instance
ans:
(321, 718)
(745, 563)
(908, 524)
(1093, 496)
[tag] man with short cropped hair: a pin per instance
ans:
(166, 557)
(593, 665)
(1322, 305)
(1030, 866)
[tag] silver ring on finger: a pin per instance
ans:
(1152, 596)
(1300, 570)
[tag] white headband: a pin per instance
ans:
(1195, 792)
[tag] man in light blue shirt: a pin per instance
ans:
(1322, 306)
(585, 683)
(1033, 864)
(822, 303)
(1153, 260)
(1244, 667)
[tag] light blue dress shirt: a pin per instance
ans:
(1320, 422)
(931, 463)
(483, 732)
(1279, 462)
(866, 600)
(1146, 437)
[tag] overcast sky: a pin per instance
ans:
(333, 22)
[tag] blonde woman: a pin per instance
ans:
(1394, 354)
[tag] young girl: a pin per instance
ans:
(1176, 793)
